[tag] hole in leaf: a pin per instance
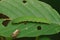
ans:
(39, 27)
(24, 1)
(2, 16)
(5, 23)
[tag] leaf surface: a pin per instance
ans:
(32, 10)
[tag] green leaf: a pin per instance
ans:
(32, 10)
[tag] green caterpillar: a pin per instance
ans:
(32, 19)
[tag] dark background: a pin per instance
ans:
(54, 3)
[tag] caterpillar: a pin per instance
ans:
(30, 19)
(34, 19)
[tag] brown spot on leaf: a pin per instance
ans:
(5, 23)
(2, 16)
